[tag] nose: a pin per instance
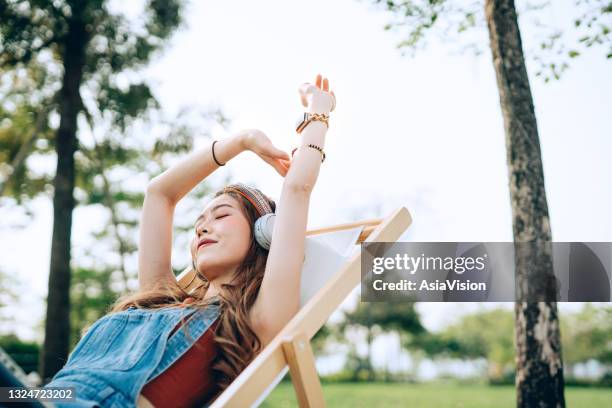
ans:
(201, 229)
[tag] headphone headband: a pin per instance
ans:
(253, 195)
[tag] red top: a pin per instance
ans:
(188, 381)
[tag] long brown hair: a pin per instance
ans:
(237, 342)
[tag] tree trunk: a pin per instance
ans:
(539, 367)
(57, 325)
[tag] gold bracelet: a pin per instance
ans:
(321, 117)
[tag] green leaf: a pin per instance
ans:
(573, 53)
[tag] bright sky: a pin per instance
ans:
(425, 133)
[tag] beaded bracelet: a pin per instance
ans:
(313, 146)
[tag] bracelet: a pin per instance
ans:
(309, 117)
(321, 117)
(313, 146)
(213, 154)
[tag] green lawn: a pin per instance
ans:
(369, 395)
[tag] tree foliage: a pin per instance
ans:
(462, 24)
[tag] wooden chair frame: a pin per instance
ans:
(291, 346)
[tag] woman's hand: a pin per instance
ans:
(318, 98)
(257, 142)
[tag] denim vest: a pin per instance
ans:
(123, 351)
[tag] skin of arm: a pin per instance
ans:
(180, 179)
(279, 295)
(162, 194)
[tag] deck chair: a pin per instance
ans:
(332, 269)
(13, 376)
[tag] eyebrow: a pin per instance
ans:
(211, 210)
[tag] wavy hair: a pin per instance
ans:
(237, 342)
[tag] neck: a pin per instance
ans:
(214, 287)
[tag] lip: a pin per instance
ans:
(206, 244)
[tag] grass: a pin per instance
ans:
(442, 395)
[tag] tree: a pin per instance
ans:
(90, 46)
(539, 364)
(484, 334)
(488, 334)
(379, 317)
(24, 353)
(9, 295)
(591, 27)
(539, 377)
(587, 334)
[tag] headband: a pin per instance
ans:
(253, 195)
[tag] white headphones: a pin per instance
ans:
(264, 226)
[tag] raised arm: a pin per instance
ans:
(162, 194)
(278, 299)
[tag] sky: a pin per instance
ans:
(423, 132)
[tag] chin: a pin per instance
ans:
(203, 264)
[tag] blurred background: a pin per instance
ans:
(417, 124)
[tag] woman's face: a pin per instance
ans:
(223, 221)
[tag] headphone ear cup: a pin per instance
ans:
(264, 226)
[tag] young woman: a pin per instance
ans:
(164, 347)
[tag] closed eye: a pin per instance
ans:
(216, 218)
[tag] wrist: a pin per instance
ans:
(319, 106)
(317, 109)
(242, 139)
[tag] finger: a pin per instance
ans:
(325, 84)
(276, 164)
(286, 163)
(285, 169)
(281, 170)
(318, 81)
(303, 90)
